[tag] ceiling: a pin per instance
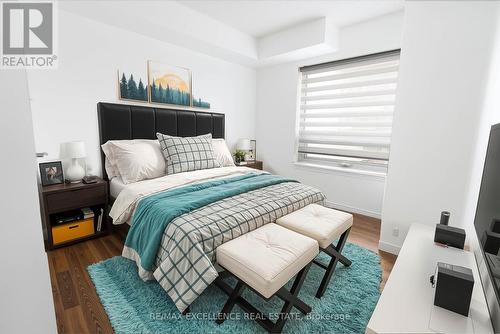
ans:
(264, 17)
(252, 33)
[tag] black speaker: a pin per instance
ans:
(451, 236)
(454, 285)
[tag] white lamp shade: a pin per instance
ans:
(244, 144)
(73, 150)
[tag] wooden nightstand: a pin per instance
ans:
(253, 164)
(61, 198)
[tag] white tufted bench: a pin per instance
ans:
(265, 259)
(325, 225)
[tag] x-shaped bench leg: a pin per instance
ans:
(285, 295)
(238, 289)
(287, 307)
(330, 250)
(290, 297)
(336, 256)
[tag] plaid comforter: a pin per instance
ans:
(186, 258)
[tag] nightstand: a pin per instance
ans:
(63, 198)
(253, 164)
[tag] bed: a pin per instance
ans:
(178, 220)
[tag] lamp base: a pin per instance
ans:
(75, 173)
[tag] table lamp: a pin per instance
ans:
(244, 144)
(74, 151)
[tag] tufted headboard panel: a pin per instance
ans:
(125, 121)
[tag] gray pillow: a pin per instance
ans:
(185, 154)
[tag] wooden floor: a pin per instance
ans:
(78, 309)
(366, 233)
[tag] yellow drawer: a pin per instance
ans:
(71, 231)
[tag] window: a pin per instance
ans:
(346, 110)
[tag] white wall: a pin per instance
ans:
(277, 111)
(446, 51)
(64, 101)
(26, 304)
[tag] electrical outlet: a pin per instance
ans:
(395, 232)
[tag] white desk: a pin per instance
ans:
(407, 301)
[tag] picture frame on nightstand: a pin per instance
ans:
(51, 173)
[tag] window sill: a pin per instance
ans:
(324, 168)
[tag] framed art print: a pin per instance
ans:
(132, 85)
(198, 102)
(169, 84)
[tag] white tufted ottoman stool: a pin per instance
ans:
(324, 225)
(265, 259)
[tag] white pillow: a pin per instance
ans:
(111, 169)
(221, 153)
(135, 160)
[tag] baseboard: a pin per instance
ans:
(352, 209)
(388, 247)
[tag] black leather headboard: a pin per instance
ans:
(124, 121)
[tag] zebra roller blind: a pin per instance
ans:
(346, 110)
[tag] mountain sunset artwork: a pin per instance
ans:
(172, 81)
(169, 84)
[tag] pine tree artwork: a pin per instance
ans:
(169, 84)
(197, 102)
(165, 84)
(130, 89)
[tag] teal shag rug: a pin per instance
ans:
(135, 306)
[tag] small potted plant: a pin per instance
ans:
(239, 156)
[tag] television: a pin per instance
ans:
(487, 226)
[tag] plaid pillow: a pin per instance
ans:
(185, 154)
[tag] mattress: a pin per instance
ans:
(116, 185)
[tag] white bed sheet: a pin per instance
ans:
(116, 185)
